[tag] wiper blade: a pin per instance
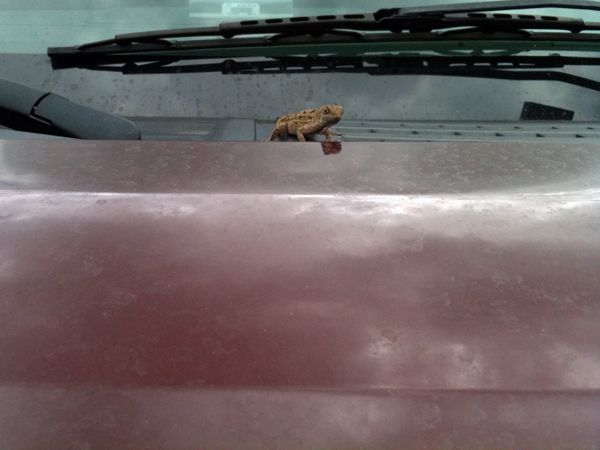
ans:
(396, 20)
(462, 40)
(506, 67)
(471, 39)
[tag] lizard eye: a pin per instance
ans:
(326, 110)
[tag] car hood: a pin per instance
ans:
(181, 294)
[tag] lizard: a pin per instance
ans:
(311, 121)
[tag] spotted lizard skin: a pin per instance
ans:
(311, 121)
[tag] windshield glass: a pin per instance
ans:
(30, 26)
(453, 74)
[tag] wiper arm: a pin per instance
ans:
(28, 109)
(501, 5)
(395, 20)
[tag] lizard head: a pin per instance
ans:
(331, 113)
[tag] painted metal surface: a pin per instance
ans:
(287, 295)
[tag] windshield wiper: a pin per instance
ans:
(24, 108)
(395, 20)
(460, 34)
(503, 67)
(449, 29)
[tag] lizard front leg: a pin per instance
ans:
(327, 133)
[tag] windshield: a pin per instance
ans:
(490, 75)
(30, 26)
